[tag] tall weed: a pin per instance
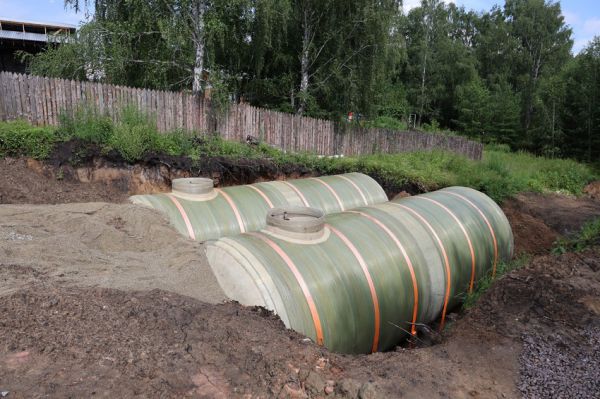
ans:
(86, 124)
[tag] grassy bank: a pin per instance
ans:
(500, 174)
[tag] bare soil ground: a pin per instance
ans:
(25, 181)
(96, 303)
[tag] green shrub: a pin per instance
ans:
(86, 124)
(134, 135)
(175, 143)
(19, 138)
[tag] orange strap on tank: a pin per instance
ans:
(297, 192)
(303, 286)
(485, 219)
(444, 253)
(462, 227)
(236, 212)
(355, 186)
(367, 274)
(331, 190)
(263, 195)
(413, 277)
(184, 216)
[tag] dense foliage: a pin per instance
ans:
(502, 76)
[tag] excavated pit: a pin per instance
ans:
(65, 333)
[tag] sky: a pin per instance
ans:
(582, 15)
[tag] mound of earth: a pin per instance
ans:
(593, 190)
(100, 245)
(563, 214)
(538, 220)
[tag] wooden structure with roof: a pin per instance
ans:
(28, 36)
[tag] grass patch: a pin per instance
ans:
(589, 236)
(484, 284)
(499, 174)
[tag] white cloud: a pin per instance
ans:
(592, 26)
(410, 4)
(571, 18)
(477, 5)
(579, 44)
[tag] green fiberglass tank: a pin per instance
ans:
(202, 212)
(362, 280)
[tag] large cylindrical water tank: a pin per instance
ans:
(368, 276)
(202, 212)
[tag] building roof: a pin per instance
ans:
(30, 37)
(55, 25)
(31, 31)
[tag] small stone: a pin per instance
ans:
(291, 391)
(4, 394)
(314, 382)
(303, 374)
(328, 390)
(348, 388)
(322, 362)
(401, 194)
(369, 391)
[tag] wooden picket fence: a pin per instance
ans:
(41, 101)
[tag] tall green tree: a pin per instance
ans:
(440, 58)
(544, 46)
(581, 117)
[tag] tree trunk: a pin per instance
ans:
(423, 73)
(304, 63)
(424, 69)
(198, 10)
(535, 73)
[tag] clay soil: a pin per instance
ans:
(104, 299)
